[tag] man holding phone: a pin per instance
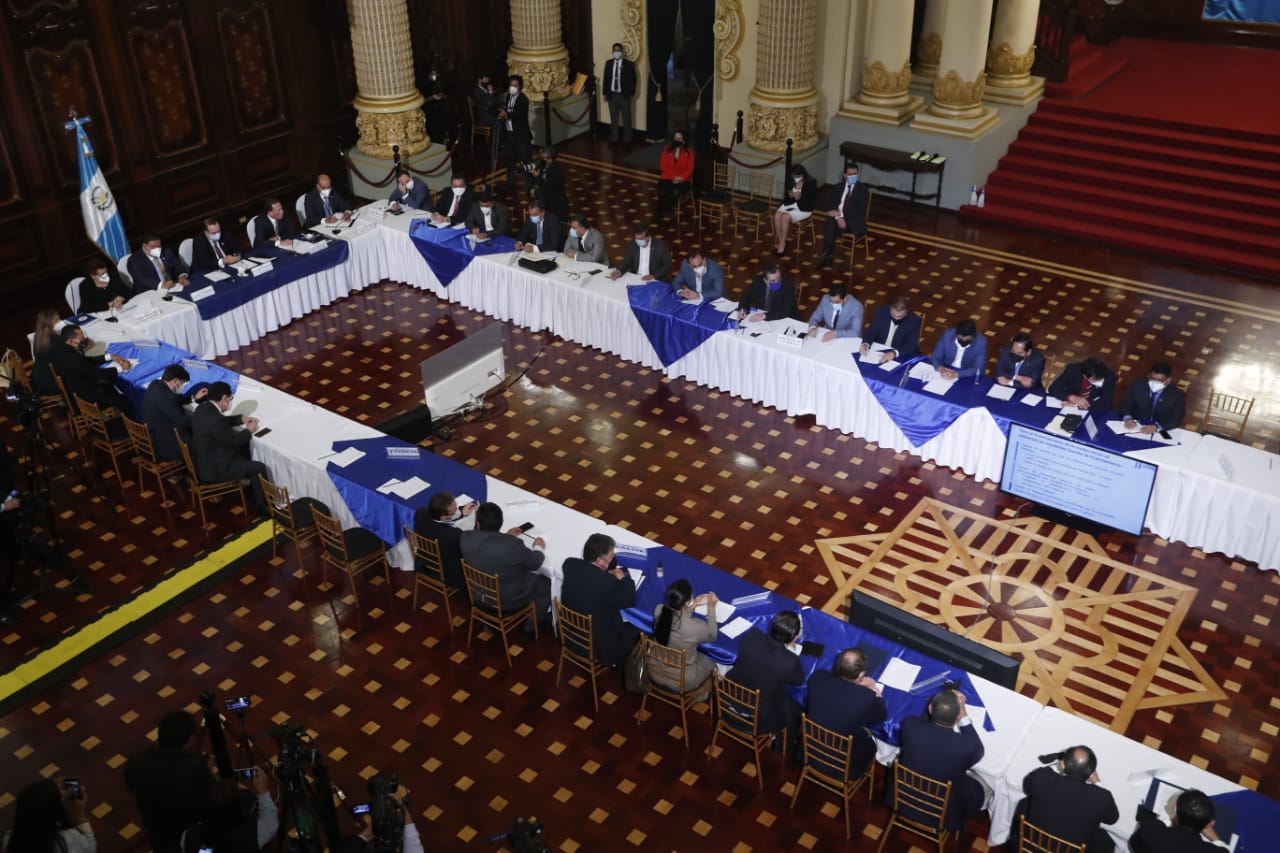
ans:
(508, 557)
(221, 451)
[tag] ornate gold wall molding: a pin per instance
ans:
(379, 131)
(930, 50)
(542, 76)
(953, 90)
(768, 127)
(878, 80)
(729, 28)
(1002, 61)
(631, 15)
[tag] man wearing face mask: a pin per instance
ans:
(584, 242)
(324, 204)
(513, 120)
(487, 217)
(549, 186)
(894, 326)
(961, 353)
(154, 268)
(1155, 403)
(1087, 384)
(541, 230)
(220, 451)
(770, 296)
(454, 203)
(484, 103)
(647, 256)
(849, 216)
(619, 89)
(676, 172)
(435, 107)
(102, 288)
(839, 312)
(595, 586)
(699, 278)
(443, 520)
(410, 193)
(208, 252)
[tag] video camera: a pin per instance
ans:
(387, 813)
(293, 746)
(525, 836)
(27, 407)
(529, 167)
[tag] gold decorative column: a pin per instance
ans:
(388, 105)
(783, 103)
(1012, 52)
(929, 47)
(885, 97)
(537, 50)
(957, 108)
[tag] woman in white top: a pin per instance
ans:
(47, 820)
(675, 626)
(797, 205)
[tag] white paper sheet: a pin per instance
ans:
(202, 293)
(346, 457)
(1001, 392)
(724, 611)
(736, 628)
(410, 487)
(938, 385)
(637, 576)
(217, 275)
(890, 365)
(899, 674)
(1031, 400)
(1053, 402)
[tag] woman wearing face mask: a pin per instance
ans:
(676, 167)
(676, 626)
(46, 331)
(102, 288)
(797, 206)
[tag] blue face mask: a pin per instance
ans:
(642, 243)
(534, 219)
(775, 286)
(851, 179)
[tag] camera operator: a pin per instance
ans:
(235, 819)
(549, 183)
(365, 840)
(50, 817)
(10, 546)
(170, 781)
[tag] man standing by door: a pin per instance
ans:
(619, 88)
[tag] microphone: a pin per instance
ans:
(906, 369)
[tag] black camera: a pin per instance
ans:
(525, 836)
(388, 816)
(529, 167)
(27, 408)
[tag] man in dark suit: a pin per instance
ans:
(1067, 801)
(1020, 364)
(102, 288)
(594, 586)
(221, 451)
(549, 184)
(208, 252)
(171, 782)
(163, 412)
(1087, 384)
(487, 217)
(152, 267)
(410, 193)
(435, 107)
(647, 256)
(619, 81)
(961, 352)
(699, 278)
(490, 550)
(1154, 403)
(436, 521)
(453, 204)
(849, 216)
(894, 326)
(1192, 831)
(540, 232)
(272, 227)
(767, 663)
(324, 204)
(484, 103)
(839, 312)
(770, 296)
(83, 374)
(848, 701)
(513, 119)
(943, 745)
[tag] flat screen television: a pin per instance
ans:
(1076, 478)
(899, 626)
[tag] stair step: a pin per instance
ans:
(1223, 156)
(1051, 107)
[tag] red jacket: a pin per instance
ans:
(673, 167)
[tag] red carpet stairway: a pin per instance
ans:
(1201, 194)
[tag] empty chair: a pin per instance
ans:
(925, 797)
(577, 646)
(352, 551)
(106, 434)
(294, 518)
(73, 294)
(201, 492)
(486, 607)
(1226, 416)
(826, 763)
(738, 718)
(757, 206)
(185, 249)
(79, 427)
(300, 208)
(428, 569)
(713, 204)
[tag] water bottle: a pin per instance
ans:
(659, 570)
(973, 195)
(982, 197)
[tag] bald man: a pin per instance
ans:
(324, 204)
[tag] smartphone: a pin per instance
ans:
(245, 772)
(71, 788)
(237, 703)
(360, 808)
(813, 650)
(1164, 433)
(260, 433)
(526, 527)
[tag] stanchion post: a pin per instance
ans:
(786, 171)
(395, 157)
(737, 130)
(546, 114)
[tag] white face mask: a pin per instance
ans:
(617, 54)
(104, 278)
(408, 185)
(698, 269)
(155, 253)
(535, 218)
(325, 193)
(486, 209)
(458, 190)
(642, 243)
(1155, 385)
(515, 90)
(1096, 383)
(215, 236)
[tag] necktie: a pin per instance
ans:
(539, 240)
(843, 198)
(217, 251)
(328, 209)
(453, 208)
(159, 268)
(893, 330)
(617, 75)
(835, 317)
(275, 225)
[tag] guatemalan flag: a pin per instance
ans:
(101, 216)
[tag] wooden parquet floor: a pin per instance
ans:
(745, 488)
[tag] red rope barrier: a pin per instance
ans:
(729, 156)
(586, 109)
(382, 183)
(448, 158)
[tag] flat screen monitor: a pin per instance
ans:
(1080, 479)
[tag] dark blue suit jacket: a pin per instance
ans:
(946, 755)
(449, 538)
(286, 229)
(1033, 366)
(766, 665)
(846, 708)
(163, 412)
(598, 594)
(972, 362)
(906, 341)
(1069, 808)
(143, 271)
(418, 196)
(712, 279)
(1168, 411)
(1072, 377)
(313, 207)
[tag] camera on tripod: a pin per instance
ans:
(525, 836)
(293, 748)
(529, 167)
(27, 407)
(387, 813)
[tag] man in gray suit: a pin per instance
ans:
(839, 312)
(585, 243)
(505, 555)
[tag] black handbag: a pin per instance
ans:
(635, 671)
